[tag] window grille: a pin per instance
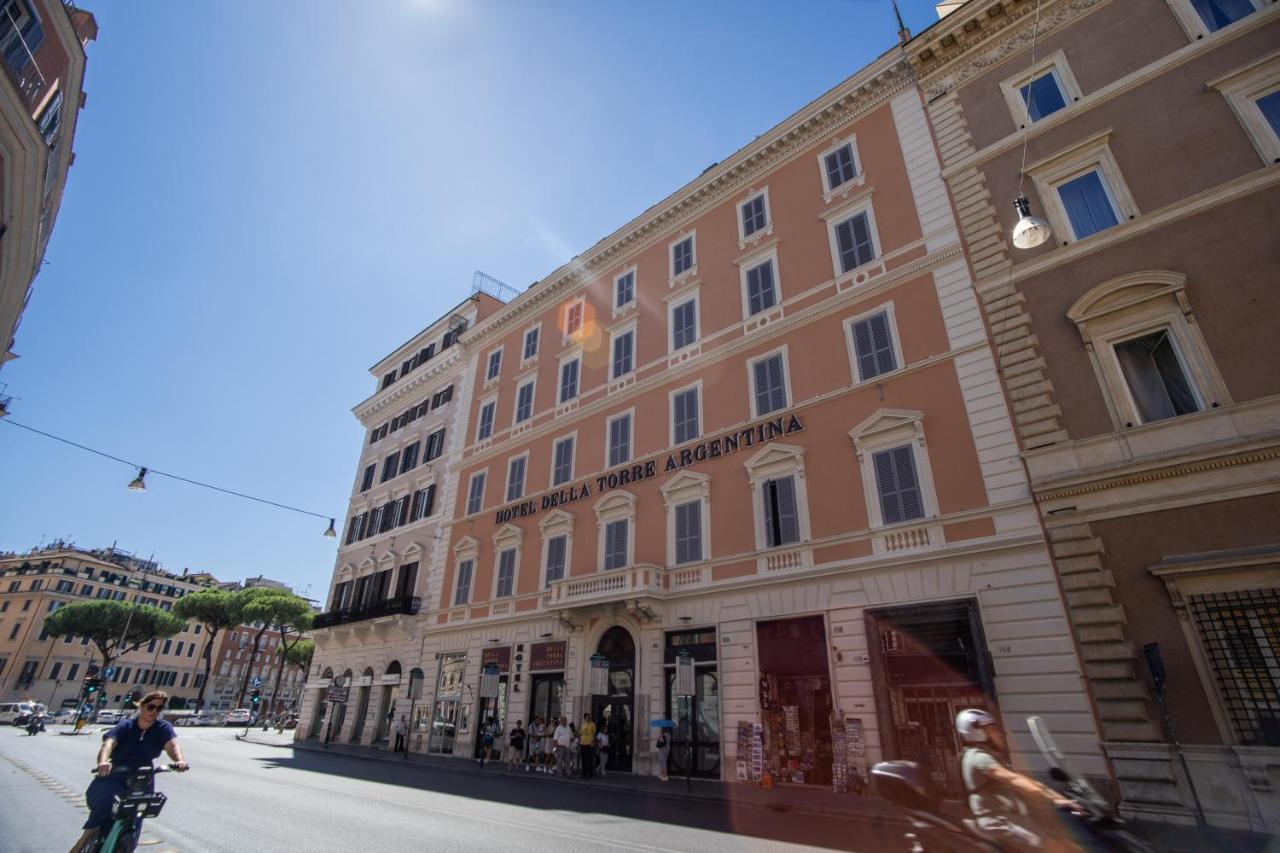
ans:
(1241, 636)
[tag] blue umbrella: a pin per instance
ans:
(662, 724)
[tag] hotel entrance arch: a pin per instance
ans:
(615, 711)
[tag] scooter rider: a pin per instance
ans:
(1011, 808)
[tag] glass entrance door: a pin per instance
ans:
(697, 730)
(613, 713)
(491, 711)
(548, 698)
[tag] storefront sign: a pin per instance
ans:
(337, 694)
(489, 682)
(722, 445)
(547, 656)
(389, 678)
(499, 656)
(362, 681)
(318, 684)
(599, 683)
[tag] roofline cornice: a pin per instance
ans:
(866, 90)
(435, 370)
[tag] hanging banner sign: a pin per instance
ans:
(684, 674)
(547, 656)
(489, 682)
(599, 681)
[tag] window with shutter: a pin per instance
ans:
(506, 573)
(531, 343)
(475, 493)
(685, 415)
(495, 365)
(556, 549)
(840, 166)
(415, 511)
(623, 355)
(898, 485)
(873, 346)
(771, 387)
(569, 380)
(409, 458)
(624, 289)
(573, 319)
(782, 522)
(463, 593)
(366, 482)
(682, 257)
(615, 544)
(620, 440)
(524, 402)
(515, 479)
(853, 239)
(562, 471)
(684, 324)
(753, 216)
(761, 293)
(390, 466)
(689, 532)
(485, 428)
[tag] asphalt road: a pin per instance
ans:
(246, 797)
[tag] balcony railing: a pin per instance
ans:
(615, 585)
(387, 607)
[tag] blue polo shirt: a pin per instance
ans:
(138, 747)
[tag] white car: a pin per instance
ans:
(108, 717)
(239, 717)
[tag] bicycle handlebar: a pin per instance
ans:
(163, 768)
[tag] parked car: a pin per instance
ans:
(17, 713)
(291, 722)
(66, 716)
(239, 717)
(107, 716)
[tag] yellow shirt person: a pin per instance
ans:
(587, 733)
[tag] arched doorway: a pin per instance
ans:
(317, 714)
(362, 706)
(339, 714)
(390, 685)
(615, 711)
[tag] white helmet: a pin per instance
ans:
(970, 724)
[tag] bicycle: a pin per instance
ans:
(139, 803)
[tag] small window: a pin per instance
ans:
(689, 532)
(873, 346)
(475, 493)
(495, 365)
(366, 482)
(1253, 93)
(515, 478)
(1156, 378)
(531, 342)
(840, 166)
(624, 289)
(463, 593)
(435, 445)
(754, 215)
(390, 466)
(562, 466)
(781, 521)
(620, 440)
(615, 544)
(524, 402)
(506, 574)
(573, 318)
(853, 242)
(684, 416)
(409, 458)
(1042, 96)
(770, 384)
(1088, 204)
(682, 257)
(898, 485)
(684, 324)
(569, 380)
(557, 548)
(762, 294)
(1216, 14)
(485, 428)
(623, 353)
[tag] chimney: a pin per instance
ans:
(946, 7)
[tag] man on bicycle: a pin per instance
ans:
(131, 743)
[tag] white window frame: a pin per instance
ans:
(843, 190)
(556, 523)
(466, 549)
(574, 355)
(631, 437)
(766, 230)
(530, 380)
(614, 334)
(773, 462)
(849, 322)
(524, 477)
(619, 310)
(671, 413)
(1055, 64)
(783, 352)
(525, 361)
(884, 430)
(488, 362)
(1193, 24)
(683, 488)
(1242, 88)
(508, 537)
(692, 272)
(466, 506)
(493, 428)
(674, 301)
(861, 203)
(573, 460)
(1092, 154)
(1135, 305)
(566, 336)
(765, 255)
(618, 505)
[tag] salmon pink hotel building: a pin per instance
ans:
(761, 424)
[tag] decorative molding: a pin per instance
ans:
(1167, 473)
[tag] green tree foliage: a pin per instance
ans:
(276, 609)
(216, 610)
(299, 654)
(115, 627)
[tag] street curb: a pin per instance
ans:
(788, 808)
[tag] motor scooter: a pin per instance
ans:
(35, 724)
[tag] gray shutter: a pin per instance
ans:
(777, 387)
(763, 396)
(769, 492)
(555, 558)
(429, 502)
(882, 343)
(678, 414)
(899, 487)
(788, 518)
(689, 532)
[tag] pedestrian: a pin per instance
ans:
(662, 748)
(574, 745)
(549, 747)
(587, 747)
(486, 741)
(402, 734)
(536, 733)
(563, 740)
(515, 745)
(602, 750)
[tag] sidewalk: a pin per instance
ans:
(797, 799)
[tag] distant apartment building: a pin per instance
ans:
(392, 550)
(50, 669)
(237, 670)
(42, 52)
(1134, 349)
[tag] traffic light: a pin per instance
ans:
(255, 697)
(91, 687)
(131, 697)
(102, 698)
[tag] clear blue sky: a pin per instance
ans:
(269, 197)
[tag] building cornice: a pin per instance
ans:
(436, 370)
(1154, 474)
(869, 89)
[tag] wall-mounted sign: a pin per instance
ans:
(499, 656)
(362, 681)
(722, 445)
(547, 656)
(318, 684)
(489, 679)
(599, 680)
(337, 694)
(389, 678)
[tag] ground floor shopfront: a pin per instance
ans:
(808, 677)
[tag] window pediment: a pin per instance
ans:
(508, 535)
(617, 504)
(1130, 291)
(555, 520)
(887, 424)
(466, 544)
(367, 563)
